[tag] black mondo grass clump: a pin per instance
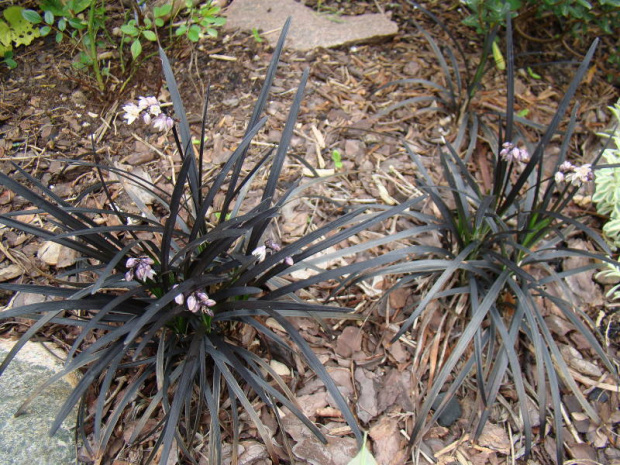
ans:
(166, 312)
(454, 92)
(460, 83)
(500, 255)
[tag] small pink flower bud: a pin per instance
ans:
(163, 122)
(273, 245)
(260, 253)
(140, 268)
(192, 303)
(179, 299)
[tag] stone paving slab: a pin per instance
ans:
(25, 439)
(309, 29)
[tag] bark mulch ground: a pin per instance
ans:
(48, 113)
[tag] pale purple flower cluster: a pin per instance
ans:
(149, 109)
(510, 152)
(270, 247)
(196, 302)
(576, 175)
(140, 268)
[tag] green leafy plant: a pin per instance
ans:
(581, 19)
(611, 273)
(163, 300)
(577, 15)
(135, 31)
(200, 22)
(487, 14)
(86, 22)
(14, 31)
(9, 61)
(337, 159)
(194, 23)
(80, 21)
(607, 192)
(257, 36)
(607, 199)
(501, 246)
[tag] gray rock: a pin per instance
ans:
(309, 29)
(451, 413)
(25, 439)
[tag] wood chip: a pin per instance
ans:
(387, 442)
(495, 437)
(280, 368)
(349, 341)
(577, 362)
(9, 272)
(54, 254)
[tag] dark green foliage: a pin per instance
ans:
(578, 21)
(577, 16)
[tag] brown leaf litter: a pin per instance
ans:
(44, 120)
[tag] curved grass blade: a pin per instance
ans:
(442, 25)
(258, 109)
(474, 324)
(405, 103)
(186, 136)
(237, 393)
(439, 283)
(424, 82)
(442, 64)
(88, 378)
(317, 367)
(215, 440)
(177, 193)
(510, 76)
(278, 162)
(183, 391)
(537, 155)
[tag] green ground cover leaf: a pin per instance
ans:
(5, 38)
(15, 31)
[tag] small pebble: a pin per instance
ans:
(451, 413)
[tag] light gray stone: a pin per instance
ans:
(309, 29)
(25, 439)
